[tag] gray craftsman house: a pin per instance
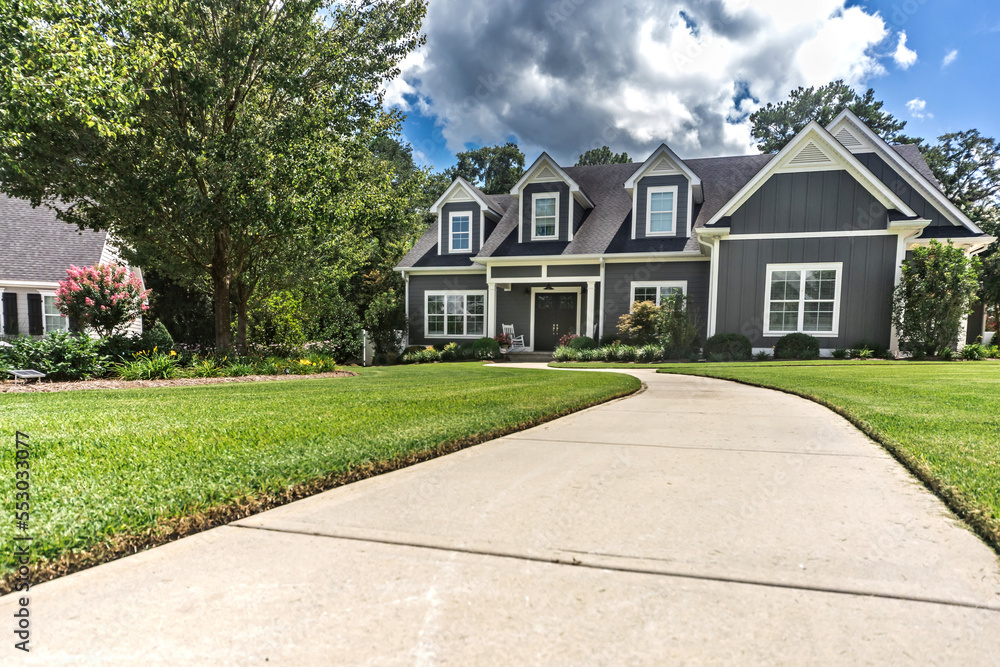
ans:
(811, 239)
(35, 250)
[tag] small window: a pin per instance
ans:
(461, 232)
(545, 215)
(803, 299)
(657, 292)
(661, 210)
(456, 314)
(54, 320)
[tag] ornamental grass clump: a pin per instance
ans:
(153, 366)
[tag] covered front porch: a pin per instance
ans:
(544, 302)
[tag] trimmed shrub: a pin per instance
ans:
(60, 355)
(797, 346)
(732, 347)
(841, 353)
(486, 348)
(974, 352)
(582, 343)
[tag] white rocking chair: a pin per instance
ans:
(516, 342)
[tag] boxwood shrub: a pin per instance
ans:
(582, 343)
(731, 347)
(797, 346)
(486, 348)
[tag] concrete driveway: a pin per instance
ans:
(698, 522)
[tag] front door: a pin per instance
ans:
(555, 316)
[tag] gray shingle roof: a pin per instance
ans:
(35, 246)
(607, 227)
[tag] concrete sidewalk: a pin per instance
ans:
(698, 522)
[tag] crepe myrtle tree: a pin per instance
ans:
(104, 297)
(936, 292)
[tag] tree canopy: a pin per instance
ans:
(235, 137)
(776, 124)
(602, 155)
(493, 169)
(968, 166)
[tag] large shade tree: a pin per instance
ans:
(233, 134)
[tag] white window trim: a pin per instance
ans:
(838, 267)
(658, 284)
(451, 232)
(657, 189)
(446, 294)
(46, 315)
(544, 195)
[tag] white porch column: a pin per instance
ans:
(591, 288)
(491, 311)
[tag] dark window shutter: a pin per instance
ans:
(10, 314)
(36, 327)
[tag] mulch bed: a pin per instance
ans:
(8, 386)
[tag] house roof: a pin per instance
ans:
(35, 246)
(606, 227)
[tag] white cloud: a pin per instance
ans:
(918, 108)
(576, 74)
(949, 58)
(904, 57)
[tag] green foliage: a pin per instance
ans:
(731, 347)
(384, 320)
(841, 353)
(494, 169)
(762, 356)
(486, 348)
(975, 352)
(863, 353)
(155, 366)
(602, 155)
(60, 355)
(625, 353)
(582, 343)
(565, 353)
(775, 125)
(641, 325)
(947, 354)
(450, 352)
(796, 346)
(967, 165)
(331, 318)
(105, 297)
(991, 285)
(937, 290)
(677, 326)
(208, 368)
(648, 354)
(278, 323)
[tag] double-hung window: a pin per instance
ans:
(661, 210)
(657, 292)
(544, 215)
(453, 313)
(803, 298)
(461, 232)
(54, 320)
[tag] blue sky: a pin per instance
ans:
(570, 75)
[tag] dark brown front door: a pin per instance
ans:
(555, 316)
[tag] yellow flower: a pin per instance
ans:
(173, 353)
(154, 348)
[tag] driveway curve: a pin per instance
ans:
(699, 522)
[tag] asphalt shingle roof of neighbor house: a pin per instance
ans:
(607, 227)
(36, 246)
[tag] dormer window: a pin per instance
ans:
(661, 215)
(461, 232)
(544, 215)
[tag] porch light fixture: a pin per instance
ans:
(549, 288)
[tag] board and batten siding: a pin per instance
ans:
(444, 242)
(565, 209)
(680, 205)
(819, 201)
(618, 287)
(903, 190)
(867, 281)
(420, 285)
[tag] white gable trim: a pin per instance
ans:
(840, 158)
(546, 162)
(461, 183)
(918, 181)
(661, 154)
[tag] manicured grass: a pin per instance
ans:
(942, 420)
(111, 463)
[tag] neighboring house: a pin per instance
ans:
(811, 239)
(35, 250)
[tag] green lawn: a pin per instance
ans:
(107, 464)
(941, 419)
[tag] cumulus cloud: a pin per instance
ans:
(918, 109)
(904, 57)
(576, 74)
(949, 58)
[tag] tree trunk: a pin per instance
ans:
(221, 292)
(242, 306)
